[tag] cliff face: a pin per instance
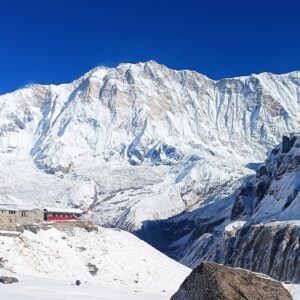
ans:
(270, 248)
(265, 236)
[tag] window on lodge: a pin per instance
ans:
(11, 212)
(23, 213)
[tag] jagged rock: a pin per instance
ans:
(8, 279)
(210, 281)
(2, 262)
(287, 143)
(92, 269)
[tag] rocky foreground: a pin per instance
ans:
(210, 281)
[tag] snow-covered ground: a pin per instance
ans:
(121, 260)
(35, 288)
(294, 290)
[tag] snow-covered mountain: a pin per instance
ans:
(141, 144)
(260, 230)
(142, 141)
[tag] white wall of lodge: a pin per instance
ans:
(8, 220)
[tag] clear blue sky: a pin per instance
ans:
(57, 41)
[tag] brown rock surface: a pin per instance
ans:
(210, 281)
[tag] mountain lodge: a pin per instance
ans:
(16, 218)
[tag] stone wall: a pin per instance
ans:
(71, 224)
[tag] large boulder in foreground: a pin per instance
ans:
(211, 281)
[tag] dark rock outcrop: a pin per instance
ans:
(210, 281)
(287, 143)
(93, 269)
(8, 279)
(270, 248)
(78, 282)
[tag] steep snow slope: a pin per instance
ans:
(108, 258)
(140, 142)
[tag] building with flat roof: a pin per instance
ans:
(61, 214)
(16, 218)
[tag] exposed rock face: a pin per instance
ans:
(271, 248)
(8, 280)
(211, 281)
(270, 204)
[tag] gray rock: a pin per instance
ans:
(92, 269)
(77, 282)
(210, 281)
(8, 280)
